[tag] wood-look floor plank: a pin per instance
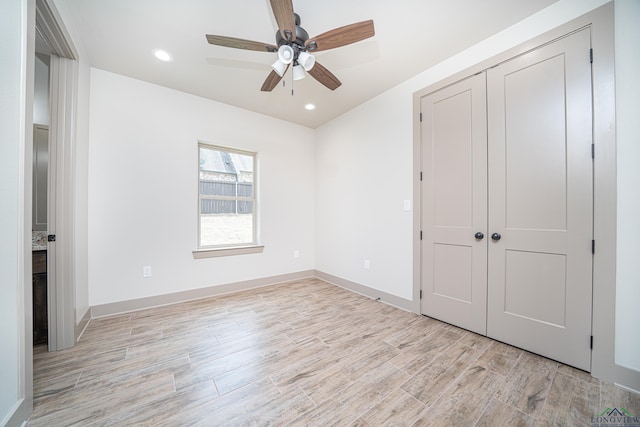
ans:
(570, 408)
(304, 353)
(397, 409)
(528, 385)
(88, 404)
(500, 358)
(331, 381)
(153, 413)
(352, 402)
(463, 403)
(415, 357)
(499, 413)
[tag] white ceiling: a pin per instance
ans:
(411, 36)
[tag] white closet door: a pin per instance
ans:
(540, 201)
(454, 204)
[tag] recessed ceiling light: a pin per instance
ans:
(162, 55)
(310, 107)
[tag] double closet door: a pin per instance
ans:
(507, 213)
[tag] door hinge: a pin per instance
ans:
(591, 55)
(420, 234)
(593, 151)
(421, 297)
(420, 175)
(51, 238)
(591, 342)
(420, 116)
(593, 246)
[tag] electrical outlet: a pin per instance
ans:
(146, 271)
(366, 264)
(407, 205)
(296, 254)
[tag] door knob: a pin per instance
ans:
(496, 236)
(479, 235)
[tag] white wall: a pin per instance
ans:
(627, 13)
(364, 164)
(10, 168)
(143, 189)
(16, 69)
(363, 175)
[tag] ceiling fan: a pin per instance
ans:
(294, 46)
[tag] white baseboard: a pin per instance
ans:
(82, 324)
(628, 378)
(393, 300)
(111, 309)
(18, 415)
(121, 307)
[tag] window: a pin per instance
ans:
(226, 198)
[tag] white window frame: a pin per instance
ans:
(228, 249)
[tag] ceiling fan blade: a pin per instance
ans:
(283, 11)
(241, 43)
(324, 76)
(341, 36)
(271, 81)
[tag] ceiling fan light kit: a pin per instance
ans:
(298, 72)
(293, 44)
(307, 61)
(286, 54)
(279, 67)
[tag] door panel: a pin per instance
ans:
(454, 204)
(535, 287)
(40, 176)
(452, 161)
(540, 201)
(452, 272)
(532, 96)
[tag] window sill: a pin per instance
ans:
(213, 253)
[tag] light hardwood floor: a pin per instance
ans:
(305, 353)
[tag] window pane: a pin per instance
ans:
(226, 197)
(226, 229)
(220, 165)
(245, 189)
(217, 188)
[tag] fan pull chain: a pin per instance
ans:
(292, 81)
(284, 84)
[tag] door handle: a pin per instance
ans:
(496, 236)
(479, 235)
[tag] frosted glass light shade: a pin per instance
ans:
(279, 67)
(307, 61)
(298, 72)
(286, 54)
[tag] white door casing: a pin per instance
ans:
(63, 87)
(60, 279)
